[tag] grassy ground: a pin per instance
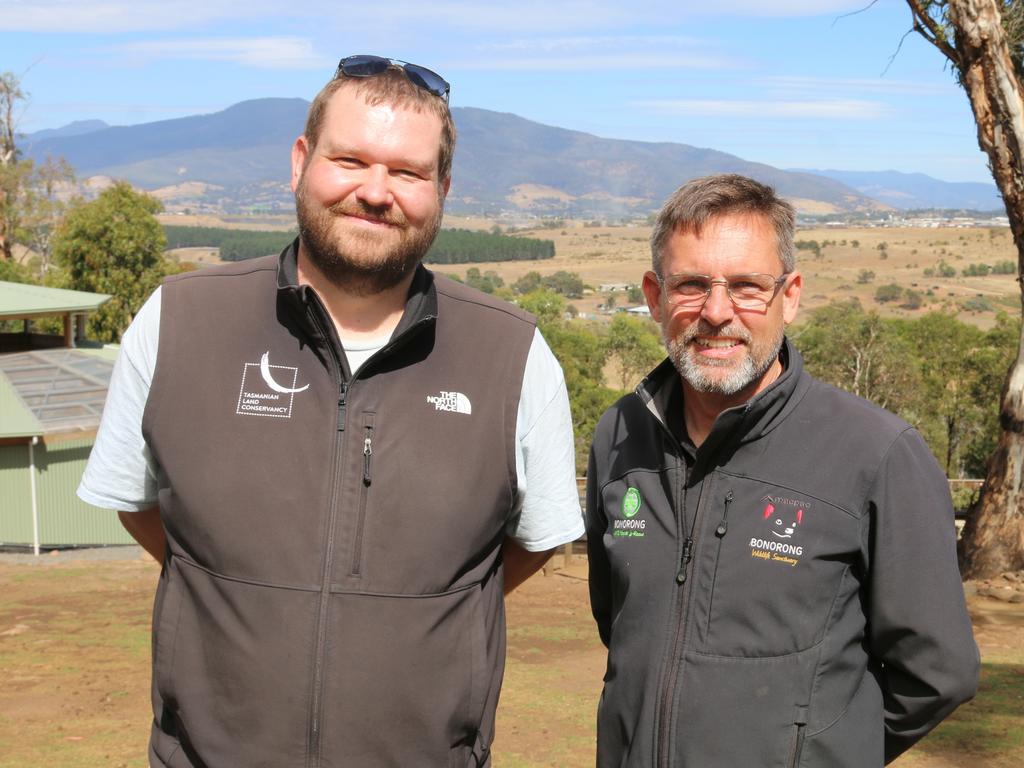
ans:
(74, 650)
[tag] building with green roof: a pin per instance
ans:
(52, 392)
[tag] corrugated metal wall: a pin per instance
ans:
(64, 519)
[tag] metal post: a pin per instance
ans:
(32, 482)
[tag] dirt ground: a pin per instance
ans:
(74, 650)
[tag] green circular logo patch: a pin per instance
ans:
(631, 502)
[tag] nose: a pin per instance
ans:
(374, 189)
(718, 309)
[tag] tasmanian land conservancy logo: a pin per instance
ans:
(632, 526)
(456, 402)
(262, 392)
(783, 518)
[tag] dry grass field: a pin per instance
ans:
(74, 650)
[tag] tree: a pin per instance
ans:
(12, 168)
(859, 352)
(114, 245)
(982, 40)
(635, 345)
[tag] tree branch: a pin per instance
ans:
(930, 30)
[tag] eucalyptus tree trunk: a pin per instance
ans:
(971, 34)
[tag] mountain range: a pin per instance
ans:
(238, 160)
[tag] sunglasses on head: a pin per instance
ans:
(364, 65)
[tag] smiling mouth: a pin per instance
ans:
(717, 343)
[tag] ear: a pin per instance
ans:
(791, 297)
(300, 151)
(799, 516)
(768, 510)
(652, 292)
(446, 185)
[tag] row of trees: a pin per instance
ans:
(234, 244)
(462, 246)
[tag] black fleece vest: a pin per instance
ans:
(333, 590)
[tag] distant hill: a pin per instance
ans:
(916, 190)
(239, 158)
(71, 129)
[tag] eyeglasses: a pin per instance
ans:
(364, 65)
(753, 291)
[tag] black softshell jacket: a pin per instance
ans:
(785, 595)
(332, 595)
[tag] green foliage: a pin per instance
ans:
(635, 345)
(461, 246)
(488, 282)
(865, 276)
(912, 300)
(528, 283)
(1004, 267)
(976, 270)
(809, 245)
(569, 284)
(977, 304)
(887, 293)
(941, 375)
(113, 245)
(942, 269)
(635, 295)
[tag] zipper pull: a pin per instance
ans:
(342, 393)
(723, 526)
(367, 453)
(685, 560)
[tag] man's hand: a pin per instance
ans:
(145, 527)
(521, 564)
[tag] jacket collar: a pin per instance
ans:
(420, 304)
(662, 393)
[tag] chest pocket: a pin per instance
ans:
(774, 565)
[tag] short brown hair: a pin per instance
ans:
(391, 87)
(698, 201)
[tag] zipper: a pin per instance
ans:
(338, 370)
(316, 703)
(364, 492)
(720, 530)
(798, 744)
(678, 644)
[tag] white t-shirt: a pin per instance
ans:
(121, 473)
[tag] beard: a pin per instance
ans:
(363, 263)
(722, 377)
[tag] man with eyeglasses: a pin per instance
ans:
(772, 560)
(342, 461)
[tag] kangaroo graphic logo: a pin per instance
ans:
(784, 525)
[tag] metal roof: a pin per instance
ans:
(53, 391)
(18, 299)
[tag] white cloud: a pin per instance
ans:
(599, 62)
(783, 8)
(800, 86)
(594, 42)
(828, 109)
(258, 52)
(115, 16)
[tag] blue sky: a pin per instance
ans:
(791, 83)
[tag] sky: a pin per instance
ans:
(792, 83)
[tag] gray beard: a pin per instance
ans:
(699, 374)
(339, 261)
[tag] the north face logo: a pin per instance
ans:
(455, 402)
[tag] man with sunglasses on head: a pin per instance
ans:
(772, 560)
(342, 461)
